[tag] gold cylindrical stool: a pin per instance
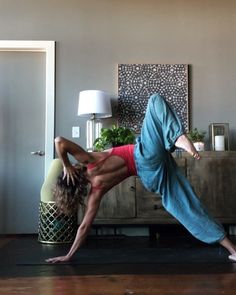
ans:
(54, 228)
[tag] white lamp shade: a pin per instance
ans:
(94, 102)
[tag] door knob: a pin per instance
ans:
(38, 153)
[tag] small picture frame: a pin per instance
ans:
(219, 136)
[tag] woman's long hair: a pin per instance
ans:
(69, 197)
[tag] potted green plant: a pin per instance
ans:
(114, 136)
(197, 137)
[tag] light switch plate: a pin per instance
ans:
(76, 132)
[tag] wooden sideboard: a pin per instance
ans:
(213, 178)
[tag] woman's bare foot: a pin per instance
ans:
(232, 257)
(230, 247)
(184, 143)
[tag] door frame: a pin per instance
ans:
(49, 48)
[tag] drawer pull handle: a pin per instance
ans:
(132, 188)
(156, 207)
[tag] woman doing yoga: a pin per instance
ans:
(150, 158)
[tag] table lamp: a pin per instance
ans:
(96, 105)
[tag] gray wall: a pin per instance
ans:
(93, 36)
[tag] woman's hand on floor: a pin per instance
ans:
(58, 259)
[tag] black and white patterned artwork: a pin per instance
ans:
(137, 82)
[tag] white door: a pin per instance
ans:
(22, 131)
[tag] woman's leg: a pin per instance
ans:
(226, 243)
(161, 132)
(161, 126)
(181, 201)
(184, 143)
(162, 129)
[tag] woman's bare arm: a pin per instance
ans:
(65, 147)
(94, 200)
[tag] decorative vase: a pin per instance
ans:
(199, 146)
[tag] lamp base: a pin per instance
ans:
(93, 130)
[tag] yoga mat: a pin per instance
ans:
(26, 258)
(31, 252)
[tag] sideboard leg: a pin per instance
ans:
(152, 233)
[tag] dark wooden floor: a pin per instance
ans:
(123, 284)
(164, 284)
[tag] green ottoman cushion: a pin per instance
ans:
(55, 170)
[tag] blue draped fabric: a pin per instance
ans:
(159, 172)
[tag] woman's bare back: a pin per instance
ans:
(106, 171)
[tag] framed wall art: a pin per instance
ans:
(137, 82)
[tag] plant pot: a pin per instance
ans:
(199, 146)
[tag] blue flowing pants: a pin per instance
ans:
(159, 172)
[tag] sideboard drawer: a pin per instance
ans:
(149, 205)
